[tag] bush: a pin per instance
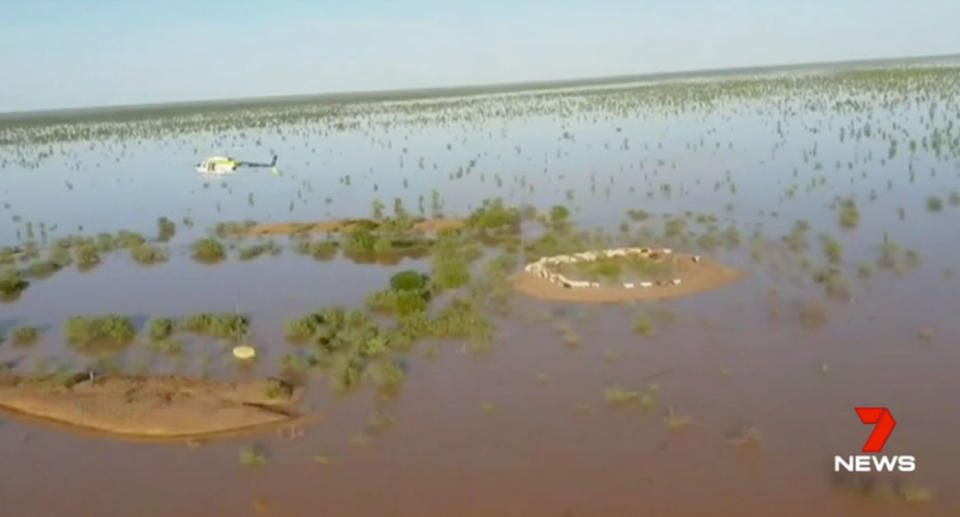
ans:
(127, 239)
(24, 335)
(86, 257)
(44, 268)
(302, 328)
(319, 250)
(642, 326)
(89, 333)
(849, 214)
(408, 281)
(252, 252)
(559, 214)
(934, 204)
(11, 285)
(147, 255)
(494, 215)
(166, 229)
(399, 302)
(208, 251)
(216, 325)
(160, 328)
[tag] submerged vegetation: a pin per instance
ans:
(208, 251)
(668, 166)
(94, 334)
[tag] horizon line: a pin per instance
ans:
(456, 90)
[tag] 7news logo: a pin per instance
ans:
(883, 423)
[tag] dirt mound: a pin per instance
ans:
(152, 407)
(690, 274)
(340, 225)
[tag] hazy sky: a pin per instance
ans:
(68, 53)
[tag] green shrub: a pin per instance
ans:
(106, 242)
(319, 250)
(11, 285)
(166, 229)
(24, 335)
(399, 302)
(408, 281)
(849, 214)
(160, 328)
(303, 328)
(217, 325)
(254, 251)
(86, 257)
(169, 347)
(127, 239)
(208, 250)
(43, 268)
(494, 215)
(253, 456)
(90, 333)
(559, 214)
(642, 325)
(934, 204)
(147, 255)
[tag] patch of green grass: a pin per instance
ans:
(147, 255)
(253, 456)
(105, 242)
(86, 257)
(24, 335)
(11, 285)
(43, 268)
(166, 229)
(619, 395)
(319, 250)
(494, 216)
(834, 283)
(637, 215)
(226, 325)
(160, 328)
(128, 239)
(642, 326)
(110, 332)
(256, 250)
(674, 228)
(398, 301)
(208, 251)
(229, 229)
(832, 249)
(169, 347)
(934, 204)
(303, 328)
(388, 377)
(279, 389)
(849, 217)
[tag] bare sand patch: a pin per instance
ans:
(340, 225)
(152, 407)
(692, 274)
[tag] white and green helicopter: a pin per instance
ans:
(225, 165)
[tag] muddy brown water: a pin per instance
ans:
(523, 428)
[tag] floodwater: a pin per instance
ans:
(522, 427)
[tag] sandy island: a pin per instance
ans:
(158, 407)
(692, 274)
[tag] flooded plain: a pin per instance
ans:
(836, 192)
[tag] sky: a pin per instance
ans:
(77, 53)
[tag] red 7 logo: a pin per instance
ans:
(884, 424)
